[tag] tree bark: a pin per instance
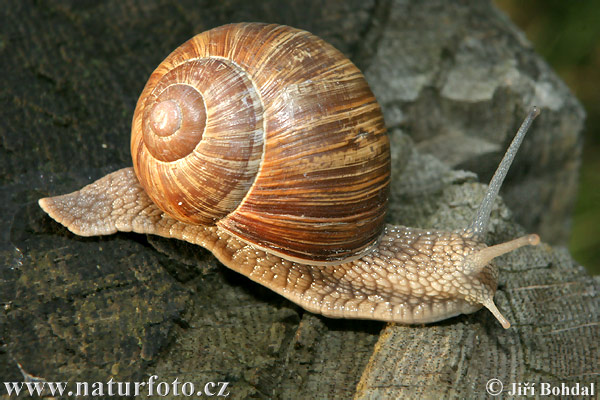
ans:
(454, 80)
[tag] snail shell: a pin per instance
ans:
(270, 133)
(265, 145)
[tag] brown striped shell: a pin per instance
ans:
(270, 133)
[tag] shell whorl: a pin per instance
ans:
(282, 142)
(190, 169)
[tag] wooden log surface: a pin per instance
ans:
(454, 80)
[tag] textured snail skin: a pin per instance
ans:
(393, 273)
(410, 276)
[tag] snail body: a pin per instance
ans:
(265, 145)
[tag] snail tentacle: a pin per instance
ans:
(478, 227)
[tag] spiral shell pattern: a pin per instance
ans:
(270, 133)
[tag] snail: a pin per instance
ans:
(265, 145)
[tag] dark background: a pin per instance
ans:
(567, 35)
